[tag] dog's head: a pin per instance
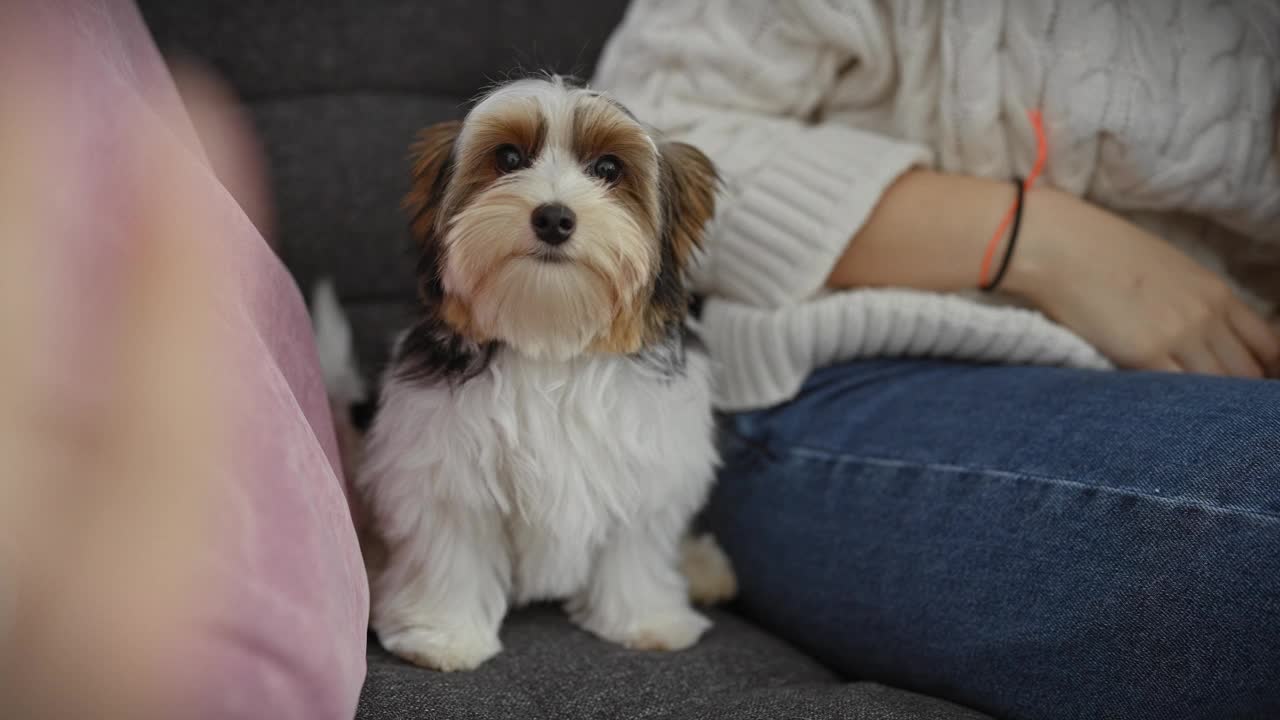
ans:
(552, 221)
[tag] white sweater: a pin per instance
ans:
(1160, 110)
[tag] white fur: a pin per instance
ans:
(534, 480)
(333, 342)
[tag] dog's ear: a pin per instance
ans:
(688, 185)
(432, 156)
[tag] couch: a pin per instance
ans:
(336, 89)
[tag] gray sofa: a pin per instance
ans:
(336, 89)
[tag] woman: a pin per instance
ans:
(1033, 540)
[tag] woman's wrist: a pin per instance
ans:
(938, 248)
(1033, 268)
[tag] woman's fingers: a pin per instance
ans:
(1166, 364)
(1233, 353)
(1196, 356)
(1259, 337)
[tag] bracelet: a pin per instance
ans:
(1014, 214)
(992, 284)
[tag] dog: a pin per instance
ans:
(544, 429)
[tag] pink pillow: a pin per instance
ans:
(284, 629)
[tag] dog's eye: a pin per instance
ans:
(509, 158)
(608, 168)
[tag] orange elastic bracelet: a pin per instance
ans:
(1014, 214)
(1008, 248)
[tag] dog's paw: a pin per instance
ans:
(670, 630)
(707, 570)
(445, 650)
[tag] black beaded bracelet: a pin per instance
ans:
(1013, 239)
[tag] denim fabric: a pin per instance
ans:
(1030, 542)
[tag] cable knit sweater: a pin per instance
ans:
(1160, 110)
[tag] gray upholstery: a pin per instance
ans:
(337, 89)
(552, 671)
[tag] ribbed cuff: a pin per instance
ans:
(793, 218)
(764, 356)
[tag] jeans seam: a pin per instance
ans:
(807, 453)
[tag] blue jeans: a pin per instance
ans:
(1035, 543)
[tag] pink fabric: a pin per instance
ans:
(284, 633)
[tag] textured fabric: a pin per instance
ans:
(772, 352)
(550, 670)
(282, 634)
(448, 49)
(1035, 543)
(1160, 110)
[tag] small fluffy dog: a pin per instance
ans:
(545, 428)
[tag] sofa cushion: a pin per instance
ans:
(411, 47)
(550, 670)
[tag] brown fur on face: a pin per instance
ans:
(601, 129)
(482, 275)
(430, 153)
(521, 125)
(443, 180)
(687, 191)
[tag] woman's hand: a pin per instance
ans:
(1140, 301)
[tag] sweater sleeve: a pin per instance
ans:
(742, 81)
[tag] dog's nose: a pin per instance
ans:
(553, 223)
